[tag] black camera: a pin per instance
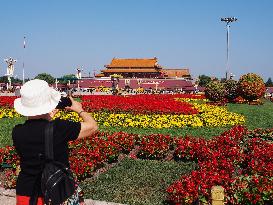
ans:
(64, 102)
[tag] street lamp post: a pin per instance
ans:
(228, 20)
(10, 70)
(79, 77)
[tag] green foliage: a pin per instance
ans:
(215, 91)
(66, 78)
(4, 79)
(136, 182)
(16, 80)
(203, 80)
(269, 83)
(231, 87)
(6, 126)
(251, 86)
(46, 77)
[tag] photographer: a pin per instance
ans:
(38, 102)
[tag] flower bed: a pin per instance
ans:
(155, 146)
(89, 154)
(239, 160)
(138, 104)
(6, 107)
(7, 101)
(147, 111)
(242, 165)
(266, 134)
(8, 113)
(210, 116)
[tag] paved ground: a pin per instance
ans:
(5, 200)
(7, 197)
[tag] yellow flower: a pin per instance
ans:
(208, 116)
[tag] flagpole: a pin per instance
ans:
(23, 76)
(24, 60)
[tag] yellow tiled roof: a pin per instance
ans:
(130, 71)
(133, 63)
(100, 75)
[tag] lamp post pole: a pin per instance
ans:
(228, 20)
(10, 70)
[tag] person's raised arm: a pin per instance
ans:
(89, 125)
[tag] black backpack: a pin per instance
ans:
(57, 181)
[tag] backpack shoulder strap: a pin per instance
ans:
(49, 154)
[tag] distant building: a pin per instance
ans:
(176, 73)
(2, 86)
(269, 92)
(132, 68)
(141, 68)
(135, 83)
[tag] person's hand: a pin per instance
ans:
(52, 114)
(76, 106)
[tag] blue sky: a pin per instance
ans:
(64, 34)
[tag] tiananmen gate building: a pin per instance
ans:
(141, 68)
(137, 73)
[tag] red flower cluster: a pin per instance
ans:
(266, 134)
(242, 165)
(8, 157)
(125, 142)
(190, 149)
(139, 104)
(88, 154)
(240, 100)
(9, 161)
(155, 146)
(7, 101)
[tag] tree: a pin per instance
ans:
(16, 80)
(203, 80)
(251, 86)
(4, 79)
(66, 78)
(231, 87)
(269, 83)
(46, 77)
(215, 91)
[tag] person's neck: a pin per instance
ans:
(36, 117)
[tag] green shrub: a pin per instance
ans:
(251, 86)
(215, 91)
(231, 87)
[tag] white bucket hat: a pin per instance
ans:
(37, 98)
